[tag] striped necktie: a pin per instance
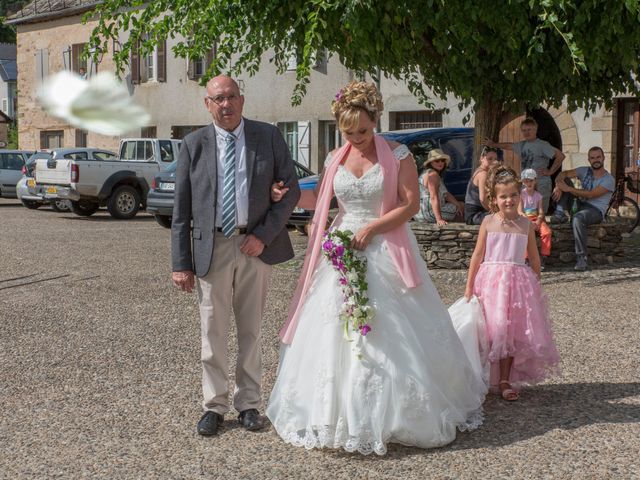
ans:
(229, 188)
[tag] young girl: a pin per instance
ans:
(531, 207)
(521, 347)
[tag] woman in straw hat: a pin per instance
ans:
(437, 205)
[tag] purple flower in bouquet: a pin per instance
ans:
(351, 268)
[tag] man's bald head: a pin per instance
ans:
(222, 81)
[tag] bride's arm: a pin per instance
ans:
(408, 206)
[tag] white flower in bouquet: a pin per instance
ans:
(357, 312)
(101, 104)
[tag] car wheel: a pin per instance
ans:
(124, 203)
(61, 205)
(84, 208)
(31, 205)
(163, 220)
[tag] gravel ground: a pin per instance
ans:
(100, 373)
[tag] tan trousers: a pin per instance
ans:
(239, 281)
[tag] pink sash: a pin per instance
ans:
(397, 239)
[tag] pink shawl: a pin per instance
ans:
(397, 239)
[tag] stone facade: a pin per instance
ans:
(53, 37)
(451, 246)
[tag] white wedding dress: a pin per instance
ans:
(408, 381)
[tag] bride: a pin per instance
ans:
(409, 380)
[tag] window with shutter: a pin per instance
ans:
(81, 138)
(197, 67)
(51, 138)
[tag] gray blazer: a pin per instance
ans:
(194, 209)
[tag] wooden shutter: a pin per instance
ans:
(162, 61)
(191, 71)
(211, 55)
(135, 63)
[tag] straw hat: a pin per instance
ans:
(437, 154)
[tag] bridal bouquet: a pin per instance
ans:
(356, 313)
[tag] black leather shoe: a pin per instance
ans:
(209, 423)
(250, 419)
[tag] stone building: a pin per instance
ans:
(51, 37)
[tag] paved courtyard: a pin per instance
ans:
(100, 373)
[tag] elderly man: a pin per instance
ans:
(592, 199)
(228, 233)
(536, 154)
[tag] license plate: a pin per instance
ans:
(298, 210)
(167, 186)
(31, 182)
(52, 189)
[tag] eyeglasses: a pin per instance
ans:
(220, 99)
(439, 160)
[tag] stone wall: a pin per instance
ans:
(451, 246)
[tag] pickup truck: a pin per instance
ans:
(120, 184)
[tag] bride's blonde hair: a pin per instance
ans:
(354, 98)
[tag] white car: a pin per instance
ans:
(33, 196)
(11, 165)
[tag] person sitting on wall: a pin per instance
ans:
(437, 205)
(592, 200)
(476, 200)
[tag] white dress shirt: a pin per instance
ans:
(242, 183)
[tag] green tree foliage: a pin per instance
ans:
(500, 55)
(8, 32)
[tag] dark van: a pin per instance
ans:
(455, 142)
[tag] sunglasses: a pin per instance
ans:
(486, 149)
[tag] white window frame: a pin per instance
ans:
(152, 70)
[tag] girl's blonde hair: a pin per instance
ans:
(354, 98)
(500, 175)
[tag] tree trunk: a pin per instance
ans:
(488, 118)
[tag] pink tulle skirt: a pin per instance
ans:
(517, 322)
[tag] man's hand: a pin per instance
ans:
(563, 187)
(278, 190)
(544, 172)
(556, 194)
(185, 280)
(252, 246)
